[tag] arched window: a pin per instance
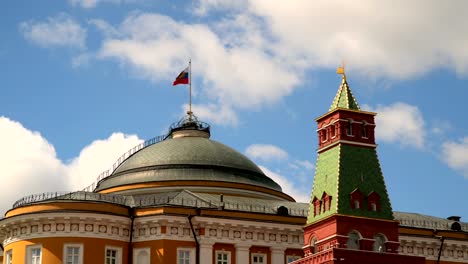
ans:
(353, 240)
(364, 129)
(349, 128)
(379, 243)
(313, 245)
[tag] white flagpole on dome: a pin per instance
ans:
(190, 113)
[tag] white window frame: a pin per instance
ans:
(228, 253)
(118, 254)
(191, 254)
(291, 258)
(29, 250)
(9, 256)
(265, 261)
(136, 251)
(80, 253)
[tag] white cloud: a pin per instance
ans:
(218, 114)
(236, 75)
(266, 152)
(98, 157)
(305, 164)
(202, 7)
(400, 123)
(104, 27)
(299, 193)
(455, 154)
(257, 52)
(393, 39)
(92, 3)
(30, 164)
(57, 31)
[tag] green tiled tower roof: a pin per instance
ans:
(343, 169)
(344, 97)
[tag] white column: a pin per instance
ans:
(242, 254)
(206, 251)
(277, 255)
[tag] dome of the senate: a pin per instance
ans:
(191, 156)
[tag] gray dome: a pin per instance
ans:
(190, 158)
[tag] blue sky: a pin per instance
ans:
(82, 81)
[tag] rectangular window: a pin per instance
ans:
(141, 255)
(349, 128)
(33, 254)
(259, 259)
(184, 256)
(223, 257)
(113, 255)
(73, 254)
(9, 257)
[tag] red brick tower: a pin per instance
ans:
(350, 217)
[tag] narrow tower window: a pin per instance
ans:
(349, 128)
(333, 131)
(364, 130)
(324, 134)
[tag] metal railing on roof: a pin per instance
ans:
(71, 196)
(153, 200)
(122, 158)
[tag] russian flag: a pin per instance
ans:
(182, 78)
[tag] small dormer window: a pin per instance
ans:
(317, 206)
(356, 199)
(349, 128)
(373, 202)
(364, 130)
(326, 202)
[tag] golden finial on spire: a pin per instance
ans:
(341, 70)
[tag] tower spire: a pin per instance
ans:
(344, 98)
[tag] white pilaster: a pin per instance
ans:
(242, 253)
(206, 251)
(277, 255)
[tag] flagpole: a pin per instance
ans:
(190, 90)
